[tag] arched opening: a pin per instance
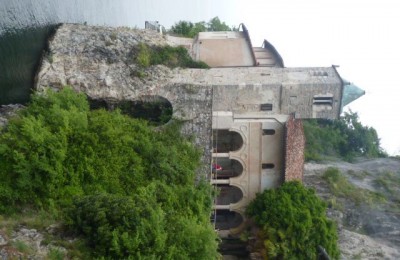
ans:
(226, 219)
(225, 168)
(225, 141)
(228, 195)
(155, 109)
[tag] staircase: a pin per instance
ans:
(264, 57)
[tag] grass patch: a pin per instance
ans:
(22, 247)
(389, 182)
(55, 254)
(358, 175)
(169, 56)
(341, 187)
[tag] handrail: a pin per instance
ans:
(247, 36)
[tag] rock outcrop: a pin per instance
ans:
(366, 230)
(7, 111)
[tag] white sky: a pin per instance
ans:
(362, 36)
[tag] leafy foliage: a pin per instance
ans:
(167, 55)
(128, 189)
(149, 224)
(189, 29)
(346, 138)
(293, 223)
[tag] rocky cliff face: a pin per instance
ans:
(368, 229)
(8, 111)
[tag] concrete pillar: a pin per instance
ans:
(224, 155)
(226, 181)
(221, 207)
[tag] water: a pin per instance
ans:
(25, 26)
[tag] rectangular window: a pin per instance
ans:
(323, 100)
(268, 132)
(266, 107)
(267, 166)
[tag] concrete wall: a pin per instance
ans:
(223, 49)
(287, 90)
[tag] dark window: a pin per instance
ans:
(268, 131)
(267, 166)
(266, 107)
(323, 100)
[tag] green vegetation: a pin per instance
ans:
(293, 223)
(342, 188)
(389, 182)
(346, 138)
(189, 29)
(128, 190)
(167, 55)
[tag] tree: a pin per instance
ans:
(189, 29)
(216, 25)
(346, 138)
(293, 223)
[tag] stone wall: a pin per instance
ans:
(294, 150)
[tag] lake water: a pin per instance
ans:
(26, 24)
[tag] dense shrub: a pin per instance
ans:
(57, 149)
(146, 225)
(128, 189)
(293, 223)
(346, 138)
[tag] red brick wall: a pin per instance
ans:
(294, 150)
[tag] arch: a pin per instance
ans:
(226, 219)
(225, 141)
(228, 168)
(228, 195)
(155, 109)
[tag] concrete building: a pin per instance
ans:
(258, 140)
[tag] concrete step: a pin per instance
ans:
(262, 55)
(265, 62)
(256, 49)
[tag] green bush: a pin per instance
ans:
(293, 223)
